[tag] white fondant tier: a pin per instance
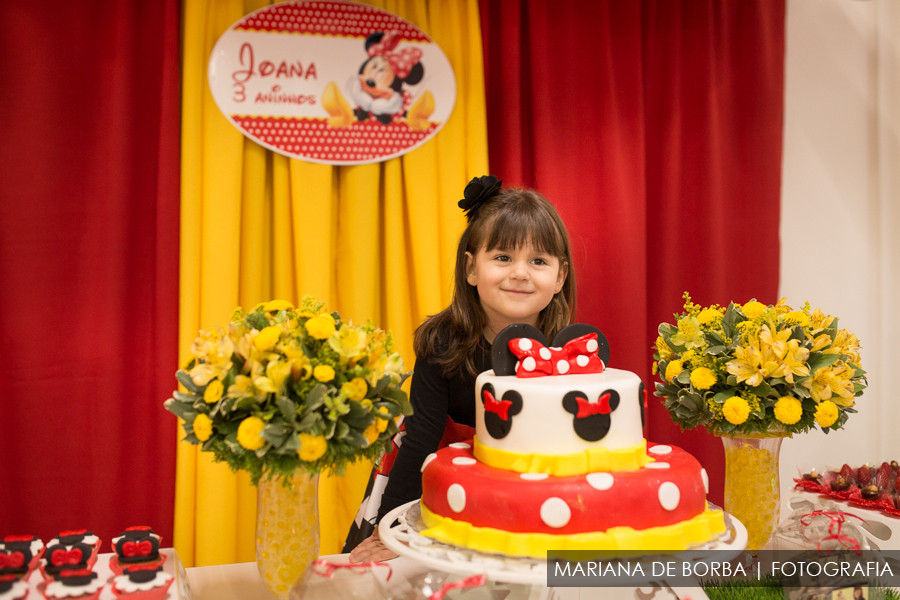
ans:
(544, 426)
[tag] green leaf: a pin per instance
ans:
(762, 390)
(245, 403)
(857, 388)
(357, 410)
(186, 398)
(289, 447)
(208, 444)
(399, 396)
(275, 429)
(731, 380)
(356, 439)
(315, 398)
(379, 387)
(715, 350)
(233, 445)
(819, 360)
(329, 429)
(730, 319)
(229, 380)
(307, 422)
(185, 380)
(257, 320)
(726, 427)
(684, 377)
(181, 410)
(228, 427)
(797, 333)
(714, 339)
(362, 423)
(858, 371)
(392, 408)
(287, 408)
(341, 430)
(721, 397)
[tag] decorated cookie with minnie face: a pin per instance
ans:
(79, 536)
(74, 584)
(136, 546)
(16, 543)
(592, 418)
(142, 583)
(16, 562)
(59, 557)
(12, 588)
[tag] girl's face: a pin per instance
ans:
(514, 286)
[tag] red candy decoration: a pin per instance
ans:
(847, 473)
(66, 557)
(498, 407)
(130, 549)
(587, 409)
(73, 532)
(18, 538)
(567, 356)
(12, 560)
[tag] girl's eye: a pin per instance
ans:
(503, 258)
(540, 261)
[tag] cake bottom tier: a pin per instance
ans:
(660, 507)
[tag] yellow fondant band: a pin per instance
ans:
(704, 527)
(560, 465)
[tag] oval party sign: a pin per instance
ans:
(340, 83)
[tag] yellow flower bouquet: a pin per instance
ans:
(757, 369)
(283, 388)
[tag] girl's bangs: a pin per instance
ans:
(512, 228)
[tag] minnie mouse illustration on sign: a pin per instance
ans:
(378, 89)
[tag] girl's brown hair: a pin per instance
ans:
(507, 221)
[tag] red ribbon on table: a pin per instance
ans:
(462, 584)
(328, 569)
(838, 519)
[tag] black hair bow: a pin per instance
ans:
(477, 192)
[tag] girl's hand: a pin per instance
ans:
(373, 549)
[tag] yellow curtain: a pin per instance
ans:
(372, 241)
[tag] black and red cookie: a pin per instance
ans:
(136, 546)
(142, 582)
(20, 555)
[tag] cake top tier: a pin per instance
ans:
(523, 351)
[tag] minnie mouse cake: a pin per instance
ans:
(559, 461)
(136, 546)
(142, 583)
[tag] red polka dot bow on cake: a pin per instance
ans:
(402, 60)
(578, 356)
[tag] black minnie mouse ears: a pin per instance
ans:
(477, 192)
(504, 361)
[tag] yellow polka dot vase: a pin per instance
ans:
(751, 484)
(287, 529)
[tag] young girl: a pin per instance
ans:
(513, 265)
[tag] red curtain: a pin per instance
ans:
(655, 128)
(88, 265)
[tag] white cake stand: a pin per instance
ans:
(406, 540)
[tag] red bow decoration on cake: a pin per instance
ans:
(66, 557)
(498, 407)
(401, 61)
(144, 548)
(13, 560)
(588, 409)
(578, 356)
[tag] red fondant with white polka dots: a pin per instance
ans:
(314, 138)
(488, 497)
(346, 19)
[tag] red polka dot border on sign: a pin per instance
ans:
(315, 139)
(329, 18)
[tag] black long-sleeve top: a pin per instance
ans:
(433, 397)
